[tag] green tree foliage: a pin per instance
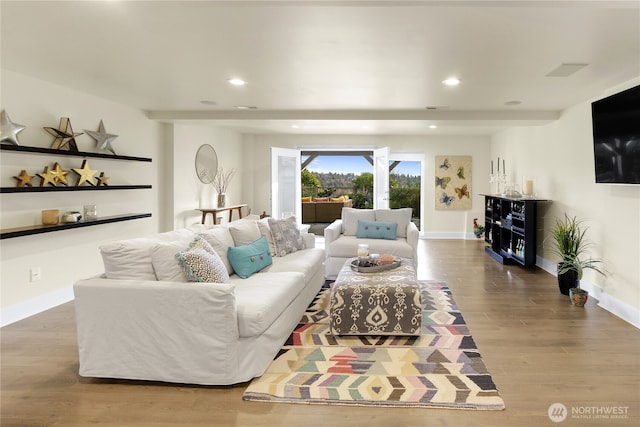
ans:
(309, 179)
(362, 200)
(405, 197)
(363, 182)
(310, 183)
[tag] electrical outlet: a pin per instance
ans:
(35, 274)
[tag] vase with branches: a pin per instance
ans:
(221, 182)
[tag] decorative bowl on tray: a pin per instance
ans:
(374, 265)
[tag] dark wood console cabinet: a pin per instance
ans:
(510, 229)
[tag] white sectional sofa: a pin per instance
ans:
(136, 321)
(341, 238)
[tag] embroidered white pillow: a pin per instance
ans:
(286, 236)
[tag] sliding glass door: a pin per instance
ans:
(285, 183)
(381, 178)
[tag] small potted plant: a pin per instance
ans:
(571, 245)
(478, 229)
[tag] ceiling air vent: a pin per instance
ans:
(566, 69)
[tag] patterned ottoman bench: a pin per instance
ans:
(380, 303)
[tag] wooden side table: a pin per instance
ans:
(214, 211)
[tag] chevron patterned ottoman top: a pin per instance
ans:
(380, 303)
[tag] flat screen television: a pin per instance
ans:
(616, 137)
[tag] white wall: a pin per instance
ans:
(69, 255)
(438, 223)
(560, 155)
(189, 193)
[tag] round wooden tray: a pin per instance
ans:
(375, 268)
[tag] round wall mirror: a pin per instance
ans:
(206, 163)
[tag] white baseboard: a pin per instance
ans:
(458, 236)
(613, 305)
(14, 313)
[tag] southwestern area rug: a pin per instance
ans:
(441, 368)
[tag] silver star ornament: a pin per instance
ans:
(103, 139)
(8, 130)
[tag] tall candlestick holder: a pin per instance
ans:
(497, 179)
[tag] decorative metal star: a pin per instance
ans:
(103, 139)
(47, 177)
(85, 174)
(102, 180)
(64, 135)
(61, 174)
(24, 179)
(8, 130)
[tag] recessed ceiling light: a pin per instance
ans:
(433, 127)
(246, 107)
(237, 82)
(451, 81)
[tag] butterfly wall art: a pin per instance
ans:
(453, 182)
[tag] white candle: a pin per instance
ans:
(528, 187)
(363, 250)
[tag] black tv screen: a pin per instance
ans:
(616, 137)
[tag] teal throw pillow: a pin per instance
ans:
(377, 230)
(249, 259)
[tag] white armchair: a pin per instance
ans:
(341, 237)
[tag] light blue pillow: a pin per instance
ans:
(249, 259)
(377, 230)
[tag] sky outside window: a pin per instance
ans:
(356, 165)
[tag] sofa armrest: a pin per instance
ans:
(413, 234)
(309, 240)
(162, 331)
(332, 232)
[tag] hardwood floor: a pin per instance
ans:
(539, 348)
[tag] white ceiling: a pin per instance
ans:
(341, 67)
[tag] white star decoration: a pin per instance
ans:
(103, 139)
(8, 130)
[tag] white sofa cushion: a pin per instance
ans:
(346, 246)
(261, 299)
(401, 216)
(244, 232)
(165, 265)
(220, 239)
(350, 217)
(131, 259)
(265, 230)
(306, 261)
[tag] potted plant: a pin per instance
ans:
(478, 229)
(571, 245)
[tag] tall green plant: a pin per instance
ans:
(572, 246)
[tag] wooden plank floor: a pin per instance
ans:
(539, 349)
